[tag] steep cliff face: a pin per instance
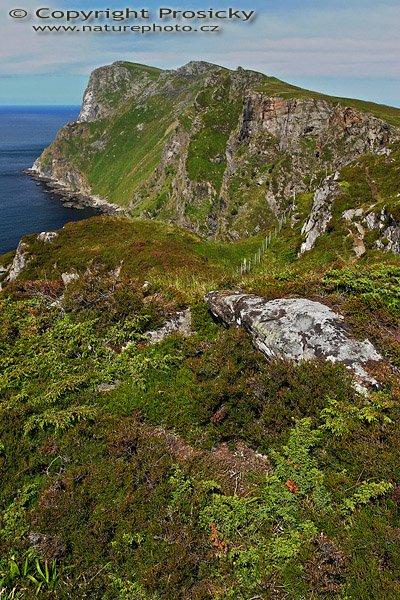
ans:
(292, 121)
(220, 152)
(107, 87)
(57, 164)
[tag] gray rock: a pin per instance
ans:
(296, 329)
(181, 322)
(389, 230)
(352, 213)
(69, 277)
(107, 387)
(356, 230)
(21, 259)
(47, 236)
(321, 212)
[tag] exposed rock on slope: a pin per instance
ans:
(181, 322)
(388, 228)
(321, 212)
(105, 85)
(217, 151)
(297, 329)
(20, 261)
(291, 121)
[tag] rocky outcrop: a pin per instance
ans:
(181, 323)
(69, 277)
(296, 329)
(356, 230)
(388, 227)
(291, 121)
(360, 220)
(47, 237)
(100, 97)
(68, 182)
(21, 259)
(321, 212)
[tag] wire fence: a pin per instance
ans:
(249, 263)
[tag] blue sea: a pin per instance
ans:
(26, 206)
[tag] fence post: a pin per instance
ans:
(246, 265)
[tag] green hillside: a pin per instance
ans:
(118, 462)
(194, 468)
(163, 145)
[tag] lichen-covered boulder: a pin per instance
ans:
(294, 328)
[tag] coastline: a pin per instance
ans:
(73, 199)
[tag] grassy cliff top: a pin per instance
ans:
(276, 87)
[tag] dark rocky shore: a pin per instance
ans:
(76, 200)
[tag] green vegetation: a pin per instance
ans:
(206, 159)
(178, 147)
(191, 468)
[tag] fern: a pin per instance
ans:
(365, 494)
(60, 419)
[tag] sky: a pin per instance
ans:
(346, 48)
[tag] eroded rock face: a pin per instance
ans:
(294, 328)
(388, 228)
(98, 98)
(321, 212)
(20, 261)
(68, 277)
(291, 120)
